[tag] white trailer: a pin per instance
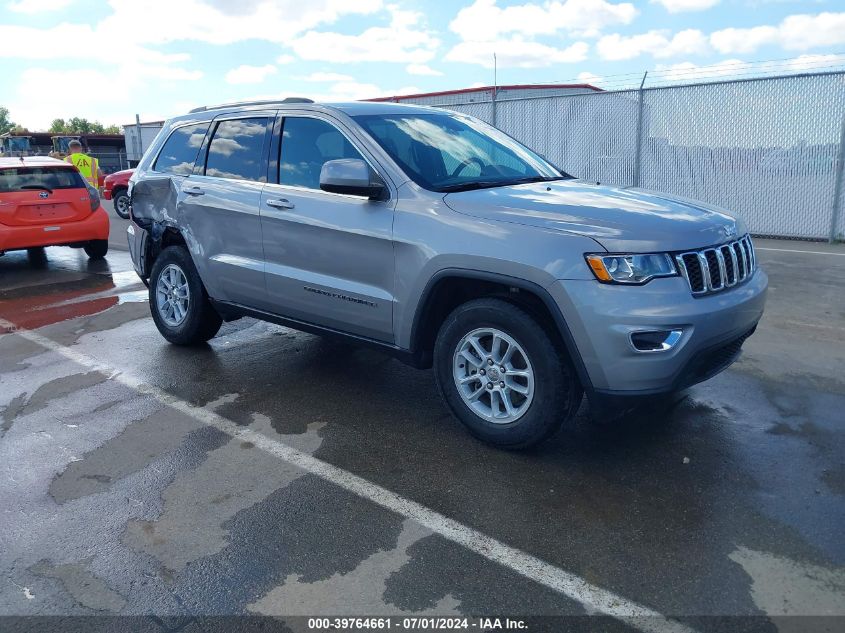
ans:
(139, 136)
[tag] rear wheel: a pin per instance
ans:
(120, 200)
(37, 256)
(97, 249)
(502, 375)
(178, 300)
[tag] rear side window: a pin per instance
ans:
(237, 150)
(306, 145)
(180, 150)
(39, 179)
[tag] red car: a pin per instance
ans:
(46, 202)
(116, 187)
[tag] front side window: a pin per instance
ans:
(237, 150)
(180, 150)
(447, 152)
(39, 179)
(306, 145)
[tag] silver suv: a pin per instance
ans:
(444, 242)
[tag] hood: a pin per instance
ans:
(123, 173)
(620, 219)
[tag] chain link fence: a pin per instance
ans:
(770, 149)
(111, 162)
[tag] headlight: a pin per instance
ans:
(631, 269)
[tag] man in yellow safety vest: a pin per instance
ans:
(87, 165)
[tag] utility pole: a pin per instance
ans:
(140, 138)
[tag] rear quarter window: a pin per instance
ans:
(39, 178)
(180, 150)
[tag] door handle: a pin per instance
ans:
(193, 191)
(281, 203)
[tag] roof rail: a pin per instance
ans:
(252, 103)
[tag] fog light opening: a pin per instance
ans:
(655, 340)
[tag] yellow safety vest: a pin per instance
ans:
(87, 166)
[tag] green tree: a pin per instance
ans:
(58, 126)
(6, 124)
(81, 125)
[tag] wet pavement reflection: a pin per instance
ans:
(726, 499)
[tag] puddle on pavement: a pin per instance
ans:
(39, 291)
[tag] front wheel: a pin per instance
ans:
(502, 375)
(121, 204)
(178, 301)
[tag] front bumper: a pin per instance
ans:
(601, 318)
(93, 227)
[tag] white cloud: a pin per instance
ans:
(659, 44)
(589, 78)
(404, 40)
(813, 62)
(347, 91)
(246, 74)
(484, 20)
(285, 59)
(187, 20)
(77, 93)
(38, 6)
(201, 21)
(517, 53)
(795, 32)
(688, 71)
(326, 77)
(743, 40)
(679, 6)
(422, 69)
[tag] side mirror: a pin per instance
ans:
(350, 176)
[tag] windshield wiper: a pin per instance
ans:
(37, 187)
(477, 184)
(487, 184)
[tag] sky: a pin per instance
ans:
(108, 60)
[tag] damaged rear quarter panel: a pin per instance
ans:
(155, 208)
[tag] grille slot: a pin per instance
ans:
(713, 269)
(730, 269)
(740, 260)
(692, 268)
(717, 282)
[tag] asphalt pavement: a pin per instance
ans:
(272, 472)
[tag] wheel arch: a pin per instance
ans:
(156, 242)
(449, 288)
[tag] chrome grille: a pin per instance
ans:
(713, 269)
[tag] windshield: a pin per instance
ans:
(448, 152)
(39, 178)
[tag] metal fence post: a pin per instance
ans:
(639, 147)
(638, 155)
(839, 166)
(493, 105)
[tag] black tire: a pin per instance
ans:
(201, 321)
(557, 392)
(120, 199)
(97, 249)
(37, 256)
